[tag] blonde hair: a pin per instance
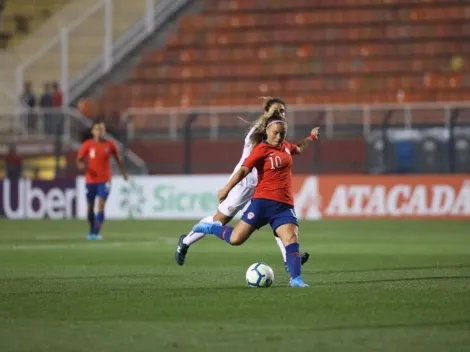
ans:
(272, 107)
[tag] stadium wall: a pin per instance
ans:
(193, 197)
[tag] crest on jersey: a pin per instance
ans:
(287, 151)
(250, 215)
(106, 150)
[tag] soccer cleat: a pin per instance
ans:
(297, 282)
(181, 250)
(93, 237)
(303, 259)
(206, 227)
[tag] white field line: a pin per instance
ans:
(159, 239)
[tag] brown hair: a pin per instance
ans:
(268, 101)
(272, 111)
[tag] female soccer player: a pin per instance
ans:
(273, 201)
(241, 194)
(98, 152)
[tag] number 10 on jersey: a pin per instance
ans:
(276, 162)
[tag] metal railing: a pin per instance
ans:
(382, 138)
(66, 126)
(77, 72)
(336, 120)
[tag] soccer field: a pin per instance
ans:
(375, 286)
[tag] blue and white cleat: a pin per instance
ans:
(297, 282)
(206, 227)
(93, 237)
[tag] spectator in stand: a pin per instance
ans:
(57, 102)
(14, 164)
(28, 101)
(57, 97)
(46, 98)
(28, 98)
(46, 104)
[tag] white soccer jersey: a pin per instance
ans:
(251, 180)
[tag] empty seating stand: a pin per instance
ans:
(321, 51)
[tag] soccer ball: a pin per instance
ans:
(259, 275)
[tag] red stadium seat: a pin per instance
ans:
(342, 51)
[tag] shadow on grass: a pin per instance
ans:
(410, 268)
(393, 326)
(378, 281)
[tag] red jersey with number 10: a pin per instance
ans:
(274, 165)
(98, 156)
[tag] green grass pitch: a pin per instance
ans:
(376, 286)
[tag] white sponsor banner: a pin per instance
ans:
(327, 197)
(158, 197)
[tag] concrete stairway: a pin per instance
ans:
(85, 45)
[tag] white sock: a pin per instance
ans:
(193, 237)
(281, 247)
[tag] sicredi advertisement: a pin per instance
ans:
(158, 197)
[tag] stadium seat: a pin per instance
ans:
(310, 52)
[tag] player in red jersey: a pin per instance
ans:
(98, 152)
(273, 200)
(242, 193)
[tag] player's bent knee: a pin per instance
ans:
(288, 234)
(238, 238)
(288, 238)
(291, 238)
(236, 242)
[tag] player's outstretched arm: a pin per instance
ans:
(241, 173)
(314, 134)
(255, 157)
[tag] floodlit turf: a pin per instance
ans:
(376, 286)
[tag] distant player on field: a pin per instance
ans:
(98, 152)
(241, 194)
(273, 200)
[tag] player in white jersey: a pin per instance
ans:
(241, 194)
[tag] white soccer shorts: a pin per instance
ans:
(236, 200)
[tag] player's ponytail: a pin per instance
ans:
(272, 108)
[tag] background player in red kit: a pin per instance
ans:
(273, 200)
(98, 152)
